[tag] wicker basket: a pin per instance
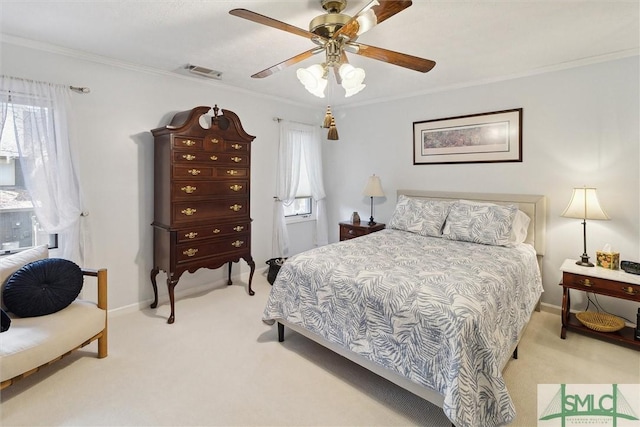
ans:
(601, 322)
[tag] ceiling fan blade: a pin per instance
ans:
(274, 23)
(291, 61)
(396, 58)
(371, 15)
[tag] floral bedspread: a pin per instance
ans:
(442, 313)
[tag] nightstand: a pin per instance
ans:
(349, 230)
(601, 281)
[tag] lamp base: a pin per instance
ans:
(371, 221)
(584, 261)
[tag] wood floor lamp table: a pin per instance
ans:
(601, 281)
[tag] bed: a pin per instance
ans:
(436, 303)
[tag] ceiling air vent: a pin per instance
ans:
(204, 72)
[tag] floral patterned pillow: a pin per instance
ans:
(484, 223)
(424, 217)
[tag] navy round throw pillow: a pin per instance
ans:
(43, 287)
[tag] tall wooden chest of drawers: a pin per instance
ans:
(201, 197)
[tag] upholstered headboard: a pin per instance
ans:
(535, 206)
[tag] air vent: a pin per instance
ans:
(204, 72)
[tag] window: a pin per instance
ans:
(19, 226)
(302, 208)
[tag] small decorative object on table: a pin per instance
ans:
(606, 258)
(355, 218)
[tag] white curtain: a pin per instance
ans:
(41, 123)
(298, 140)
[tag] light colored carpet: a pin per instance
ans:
(220, 365)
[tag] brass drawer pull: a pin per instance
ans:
(188, 211)
(238, 228)
(232, 172)
(586, 282)
(194, 172)
(216, 231)
(191, 235)
(214, 140)
(236, 146)
(237, 159)
(235, 187)
(237, 243)
(188, 157)
(189, 142)
(235, 207)
(629, 290)
(188, 189)
(190, 252)
(214, 158)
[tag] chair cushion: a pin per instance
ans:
(43, 287)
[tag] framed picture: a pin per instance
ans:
(477, 138)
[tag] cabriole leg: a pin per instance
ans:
(154, 273)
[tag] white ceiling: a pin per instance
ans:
(471, 41)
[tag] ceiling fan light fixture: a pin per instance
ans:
(352, 79)
(313, 79)
(366, 21)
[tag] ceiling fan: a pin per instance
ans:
(335, 34)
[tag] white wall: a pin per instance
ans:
(115, 151)
(580, 127)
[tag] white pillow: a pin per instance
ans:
(423, 217)
(485, 223)
(9, 264)
(519, 228)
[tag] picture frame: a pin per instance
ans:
(477, 138)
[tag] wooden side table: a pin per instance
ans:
(349, 230)
(613, 283)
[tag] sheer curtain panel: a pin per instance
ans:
(41, 120)
(298, 140)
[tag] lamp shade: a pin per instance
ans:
(313, 78)
(373, 187)
(584, 204)
(352, 79)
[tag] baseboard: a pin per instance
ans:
(550, 308)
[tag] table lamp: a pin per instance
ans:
(584, 205)
(373, 189)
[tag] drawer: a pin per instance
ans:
(194, 171)
(347, 232)
(601, 286)
(193, 234)
(198, 171)
(213, 143)
(208, 158)
(186, 190)
(231, 208)
(191, 251)
(189, 143)
(236, 147)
